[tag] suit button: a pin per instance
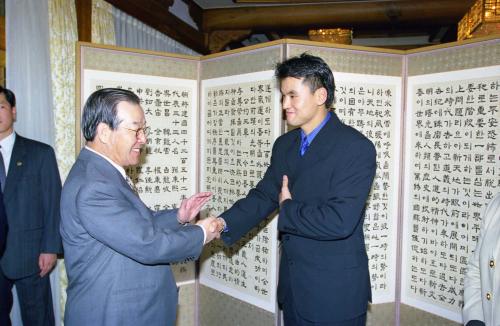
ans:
(488, 296)
(287, 237)
(492, 263)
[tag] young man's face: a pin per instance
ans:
(7, 117)
(304, 109)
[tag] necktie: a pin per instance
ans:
(131, 184)
(2, 170)
(304, 146)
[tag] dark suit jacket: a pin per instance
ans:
(3, 225)
(31, 196)
(323, 261)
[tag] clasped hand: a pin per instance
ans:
(213, 227)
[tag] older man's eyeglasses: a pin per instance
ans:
(141, 131)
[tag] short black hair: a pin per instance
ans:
(314, 71)
(101, 107)
(9, 95)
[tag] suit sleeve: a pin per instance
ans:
(51, 196)
(113, 220)
(260, 202)
(166, 219)
(338, 216)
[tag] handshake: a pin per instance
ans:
(189, 209)
(213, 227)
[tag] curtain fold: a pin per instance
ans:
(29, 77)
(63, 36)
(28, 67)
(132, 33)
(103, 28)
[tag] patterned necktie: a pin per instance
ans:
(304, 146)
(2, 171)
(131, 184)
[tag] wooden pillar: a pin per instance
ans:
(84, 20)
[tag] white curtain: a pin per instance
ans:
(28, 67)
(132, 33)
(28, 76)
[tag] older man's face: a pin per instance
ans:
(125, 143)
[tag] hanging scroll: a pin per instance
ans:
(372, 105)
(240, 121)
(452, 162)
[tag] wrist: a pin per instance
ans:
(179, 219)
(222, 225)
(284, 201)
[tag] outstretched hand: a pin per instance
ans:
(190, 207)
(285, 192)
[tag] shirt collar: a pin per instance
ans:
(8, 143)
(315, 131)
(119, 168)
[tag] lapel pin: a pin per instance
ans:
(19, 163)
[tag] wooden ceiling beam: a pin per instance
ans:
(343, 14)
(196, 12)
(155, 14)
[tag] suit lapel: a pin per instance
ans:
(17, 166)
(322, 144)
(104, 166)
(293, 157)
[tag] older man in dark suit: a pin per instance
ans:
(31, 195)
(320, 176)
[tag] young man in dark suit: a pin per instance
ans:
(319, 178)
(31, 196)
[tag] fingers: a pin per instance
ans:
(285, 192)
(41, 265)
(46, 262)
(210, 225)
(285, 182)
(44, 267)
(202, 195)
(44, 272)
(190, 207)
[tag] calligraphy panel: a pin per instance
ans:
(240, 121)
(372, 105)
(452, 171)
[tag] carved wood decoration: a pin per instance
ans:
(156, 14)
(436, 19)
(217, 40)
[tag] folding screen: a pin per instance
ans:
(452, 167)
(432, 115)
(240, 117)
(168, 88)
